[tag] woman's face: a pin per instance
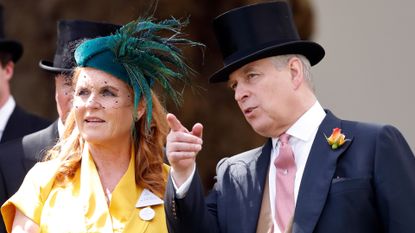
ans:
(103, 107)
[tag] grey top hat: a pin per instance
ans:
(70, 33)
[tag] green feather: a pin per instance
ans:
(148, 51)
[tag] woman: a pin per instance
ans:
(107, 173)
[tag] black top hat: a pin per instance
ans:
(257, 31)
(10, 46)
(70, 33)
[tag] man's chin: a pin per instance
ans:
(261, 129)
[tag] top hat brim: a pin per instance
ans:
(12, 47)
(311, 50)
(48, 66)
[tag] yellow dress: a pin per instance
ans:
(80, 205)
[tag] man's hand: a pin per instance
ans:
(182, 148)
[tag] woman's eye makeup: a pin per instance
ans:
(109, 92)
(106, 95)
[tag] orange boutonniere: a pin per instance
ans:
(336, 139)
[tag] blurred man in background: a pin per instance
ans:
(14, 121)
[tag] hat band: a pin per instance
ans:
(106, 61)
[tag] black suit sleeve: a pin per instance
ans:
(395, 181)
(3, 198)
(192, 213)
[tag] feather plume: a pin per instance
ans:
(149, 53)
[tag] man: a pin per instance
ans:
(18, 156)
(316, 173)
(14, 121)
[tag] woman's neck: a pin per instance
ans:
(111, 162)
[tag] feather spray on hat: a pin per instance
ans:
(141, 53)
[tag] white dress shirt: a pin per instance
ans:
(302, 132)
(182, 190)
(5, 113)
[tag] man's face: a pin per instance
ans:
(265, 96)
(63, 95)
(6, 73)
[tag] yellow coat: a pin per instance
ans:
(80, 205)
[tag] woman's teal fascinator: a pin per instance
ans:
(141, 53)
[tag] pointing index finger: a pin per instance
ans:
(175, 124)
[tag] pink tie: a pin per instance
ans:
(285, 165)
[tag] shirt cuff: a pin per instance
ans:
(182, 190)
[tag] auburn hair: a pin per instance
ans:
(149, 141)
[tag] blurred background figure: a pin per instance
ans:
(18, 156)
(14, 121)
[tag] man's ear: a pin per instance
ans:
(9, 70)
(296, 70)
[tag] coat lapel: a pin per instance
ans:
(262, 164)
(92, 197)
(317, 177)
(261, 170)
(246, 200)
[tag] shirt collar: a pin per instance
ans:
(306, 125)
(5, 112)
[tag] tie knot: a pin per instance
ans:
(284, 138)
(285, 158)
